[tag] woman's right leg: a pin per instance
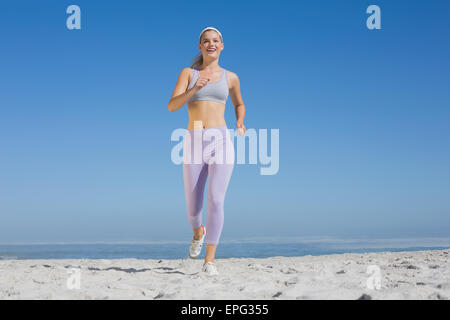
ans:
(195, 174)
(194, 185)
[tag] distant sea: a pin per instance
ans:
(253, 248)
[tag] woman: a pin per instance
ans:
(205, 88)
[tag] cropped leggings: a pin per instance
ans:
(207, 152)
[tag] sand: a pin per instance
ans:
(380, 275)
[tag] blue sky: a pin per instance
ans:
(363, 118)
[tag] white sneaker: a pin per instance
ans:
(210, 269)
(196, 246)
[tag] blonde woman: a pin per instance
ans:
(205, 88)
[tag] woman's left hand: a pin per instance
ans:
(240, 128)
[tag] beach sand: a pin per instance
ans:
(380, 275)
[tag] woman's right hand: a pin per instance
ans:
(201, 81)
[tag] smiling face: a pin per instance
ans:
(210, 44)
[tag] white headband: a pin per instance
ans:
(210, 28)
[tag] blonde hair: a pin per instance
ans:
(198, 59)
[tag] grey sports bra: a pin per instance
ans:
(212, 91)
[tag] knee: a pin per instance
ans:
(215, 204)
(194, 208)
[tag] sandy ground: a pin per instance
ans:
(381, 275)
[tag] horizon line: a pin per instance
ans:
(335, 242)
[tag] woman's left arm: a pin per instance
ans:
(236, 97)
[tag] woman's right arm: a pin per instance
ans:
(180, 95)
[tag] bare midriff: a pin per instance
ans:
(210, 113)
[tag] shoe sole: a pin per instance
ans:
(204, 235)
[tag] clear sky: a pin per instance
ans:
(363, 118)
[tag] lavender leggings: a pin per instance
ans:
(207, 152)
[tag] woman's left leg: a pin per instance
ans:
(219, 173)
(219, 177)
